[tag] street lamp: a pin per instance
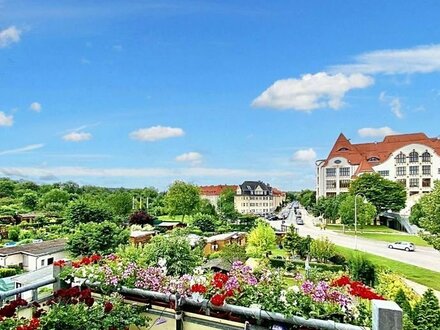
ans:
(355, 217)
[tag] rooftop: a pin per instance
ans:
(36, 249)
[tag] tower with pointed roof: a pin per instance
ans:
(411, 159)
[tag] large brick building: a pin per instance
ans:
(411, 159)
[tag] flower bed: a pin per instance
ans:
(340, 300)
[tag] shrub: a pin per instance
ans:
(426, 314)
(6, 272)
(389, 284)
(293, 264)
(322, 249)
(14, 233)
(338, 259)
(361, 269)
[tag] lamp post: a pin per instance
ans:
(355, 218)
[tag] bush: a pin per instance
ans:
(426, 314)
(338, 259)
(361, 269)
(389, 284)
(294, 264)
(14, 233)
(6, 272)
(322, 249)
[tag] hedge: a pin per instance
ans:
(6, 272)
(293, 264)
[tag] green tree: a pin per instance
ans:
(382, 193)
(82, 211)
(261, 239)
(102, 238)
(416, 214)
(205, 207)
(296, 244)
(233, 252)
(7, 187)
(55, 200)
(402, 300)
(322, 249)
(430, 220)
(120, 203)
(14, 233)
(175, 249)
(365, 211)
(182, 199)
(29, 200)
(205, 222)
(361, 269)
(226, 206)
(426, 315)
(307, 198)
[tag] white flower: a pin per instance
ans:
(197, 297)
(162, 262)
(294, 288)
(283, 296)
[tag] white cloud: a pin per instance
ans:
(192, 157)
(9, 36)
(35, 106)
(6, 120)
(141, 172)
(304, 155)
(311, 91)
(77, 136)
(376, 132)
(420, 59)
(21, 150)
(156, 133)
(393, 102)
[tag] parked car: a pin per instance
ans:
(407, 246)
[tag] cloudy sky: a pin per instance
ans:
(140, 93)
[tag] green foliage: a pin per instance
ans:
(403, 302)
(205, 222)
(307, 198)
(29, 200)
(365, 212)
(55, 200)
(382, 193)
(361, 269)
(233, 252)
(182, 198)
(416, 214)
(296, 244)
(6, 272)
(389, 284)
(430, 219)
(205, 207)
(83, 211)
(102, 238)
(226, 206)
(322, 249)
(426, 315)
(141, 218)
(120, 203)
(292, 265)
(7, 187)
(175, 249)
(328, 207)
(14, 233)
(261, 239)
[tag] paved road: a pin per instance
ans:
(423, 256)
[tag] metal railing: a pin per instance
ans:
(25, 288)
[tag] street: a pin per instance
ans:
(423, 256)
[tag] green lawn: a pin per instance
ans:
(174, 218)
(420, 275)
(365, 229)
(417, 240)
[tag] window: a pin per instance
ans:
(400, 158)
(42, 262)
(330, 184)
(344, 183)
(426, 157)
(384, 173)
(330, 194)
(426, 183)
(50, 261)
(413, 157)
(343, 149)
(330, 172)
(401, 170)
(344, 171)
(413, 170)
(426, 169)
(413, 183)
(402, 182)
(373, 159)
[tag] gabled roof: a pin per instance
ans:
(36, 249)
(215, 190)
(225, 236)
(250, 186)
(360, 153)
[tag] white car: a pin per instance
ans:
(407, 246)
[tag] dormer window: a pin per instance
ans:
(413, 157)
(373, 159)
(343, 149)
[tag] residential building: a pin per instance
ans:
(218, 242)
(35, 255)
(410, 159)
(257, 197)
(212, 193)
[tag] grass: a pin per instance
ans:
(417, 240)
(365, 229)
(417, 274)
(174, 218)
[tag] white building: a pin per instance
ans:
(256, 197)
(411, 159)
(33, 256)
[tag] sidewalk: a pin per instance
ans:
(419, 288)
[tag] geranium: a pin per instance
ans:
(357, 288)
(60, 263)
(199, 288)
(218, 299)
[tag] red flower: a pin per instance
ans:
(89, 301)
(200, 288)
(76, 264)
(218, 300)
(85, 261)
(343, 280)
(59, 263)
(95, 257)
(108, 306)
(221, 277)
(229, 293)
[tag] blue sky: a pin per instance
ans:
(141, 93)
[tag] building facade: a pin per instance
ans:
(410, 159)
(212, 193)
(257, 197)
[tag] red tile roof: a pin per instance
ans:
(277, 192)
(358, 154)
(215, 190)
